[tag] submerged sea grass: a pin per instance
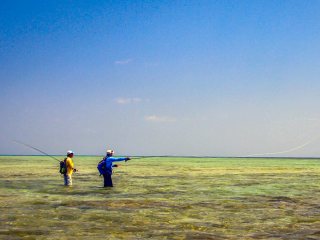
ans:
(162, 198)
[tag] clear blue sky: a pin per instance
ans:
(219, 78)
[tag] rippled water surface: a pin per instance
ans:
(161, 198)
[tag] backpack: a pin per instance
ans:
(63, 166)
(102, 167)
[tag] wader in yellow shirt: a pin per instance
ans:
(68, 174)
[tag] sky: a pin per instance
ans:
(187, 78)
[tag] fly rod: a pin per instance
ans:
(38, 150)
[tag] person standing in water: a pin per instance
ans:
(105, 167)
(69, 169)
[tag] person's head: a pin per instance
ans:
(110, 152)
(70, 153)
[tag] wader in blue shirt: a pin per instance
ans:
(108, 171)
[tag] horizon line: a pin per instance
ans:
(163, 156)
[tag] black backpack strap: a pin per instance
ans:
(102, 160)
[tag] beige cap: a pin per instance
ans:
(110, 151)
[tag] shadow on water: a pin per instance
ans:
(23, 232)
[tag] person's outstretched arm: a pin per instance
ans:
(118, 159)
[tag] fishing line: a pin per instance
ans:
(34, 148)
(149, 157)
(284, 151)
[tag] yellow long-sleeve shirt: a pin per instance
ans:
(69, 164)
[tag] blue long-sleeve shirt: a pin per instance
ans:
(110, 160)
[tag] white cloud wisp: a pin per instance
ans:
(154, 118)
(123, 101)
(123, 62)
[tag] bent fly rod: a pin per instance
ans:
(38, 150)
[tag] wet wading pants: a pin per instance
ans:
(107, 180)
(67, 180)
